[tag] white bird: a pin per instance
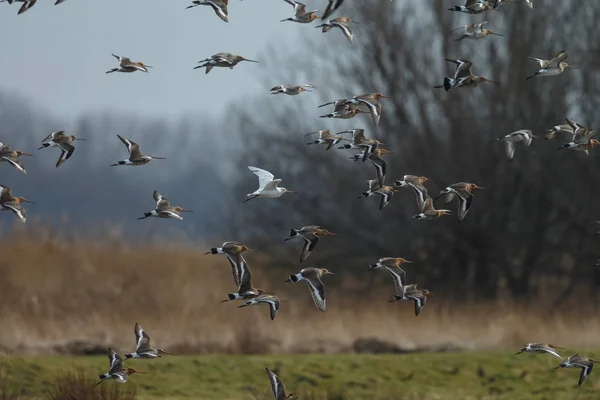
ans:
(267, 185)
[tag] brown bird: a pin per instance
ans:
(12, 203)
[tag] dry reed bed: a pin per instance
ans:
(55, 291)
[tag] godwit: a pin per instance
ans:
(377, 161)
(339, 22)
(12, 203)
(278, 388)
(523, 135)
(360, 142)
(233, 251)
(463, 76)
(582, 137)
(463, 191)
(416, 183)
(116, 371)
(555, 66)
(475, 31)
(7, 154)
(64, 142)
(540, 348)
(27, 4)
(585, 143)
(136, 157)
(225, 60)
(371, 100)
(386, 193)
(164, 209)
(411, 293)
(301, 15)
(474, 7)
(326, 137)
(576, 361)
(219, 6)
(373, 186)
(291, 90)
(311, 235)
(267, 185)
(143, 348)
(312, 276)
(428, 212)
(565, 129)
(271, 300)
(126, 65)
(346, 112)
(393, 266)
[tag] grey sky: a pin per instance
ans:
(57, 55)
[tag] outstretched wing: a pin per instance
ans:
(264, 177)
(317, 291)
(116, 362)
(142, 339)
(276, 385)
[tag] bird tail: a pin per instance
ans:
(448, 83)
(231, 296)
(146, 215)
(293, 233)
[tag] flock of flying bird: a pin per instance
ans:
(581, 138)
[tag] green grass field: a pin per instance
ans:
(477, 375)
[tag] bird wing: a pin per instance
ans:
(464, 204)
(510, 149)
(421, 193)
(16, 209)
(235, 269)
(374, 108)
(398, 276)
(331, 7)
(142, 339)
(558, 58)
(116, 362)
(463, 68)
(380, 167)
(358, 135)
(245, 275)
(264, 177)
(276, 385)
(317, 291)
(272, 184)
(161, 202)
(15, 162)
(310, 241)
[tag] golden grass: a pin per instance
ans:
(56, 291)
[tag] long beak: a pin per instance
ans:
(494, 33)
(291, 191)
(39, 148)
(79, 139)
(573, 66)
(27, 154)
(27, 201)
(245, 59)
(386, 97)
(556, 367)
(516, 354)
(243, 305)
(183, 210)
(487, 80)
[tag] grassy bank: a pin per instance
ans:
(451, 376)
